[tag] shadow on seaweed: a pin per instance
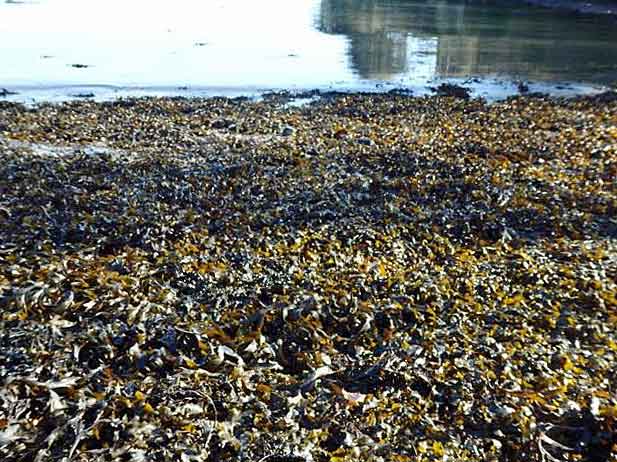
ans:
(577, 434)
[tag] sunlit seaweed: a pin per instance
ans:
(379, 278)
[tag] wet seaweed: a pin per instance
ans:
(366, 277)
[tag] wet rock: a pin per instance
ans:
(83, 95)
(522, 87)
(449, 89)
(287, 131)
(222, 123)
(401, 92)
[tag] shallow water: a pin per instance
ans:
(53, 49)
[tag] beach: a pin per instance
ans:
(338, 277)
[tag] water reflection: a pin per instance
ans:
(390, 38)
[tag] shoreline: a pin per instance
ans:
(491, 88)
(372, 277)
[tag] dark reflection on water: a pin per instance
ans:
(461, 39)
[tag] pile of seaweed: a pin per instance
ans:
(379, 278)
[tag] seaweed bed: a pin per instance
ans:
(380, 278)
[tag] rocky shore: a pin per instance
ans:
(367, 277)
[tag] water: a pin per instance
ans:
(58, 49)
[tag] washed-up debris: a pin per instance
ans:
(367, 277)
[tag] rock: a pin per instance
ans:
(401, 92)
(449, 89)
(523, 88)
(502, 411)
(222, 123)
(288, 131)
